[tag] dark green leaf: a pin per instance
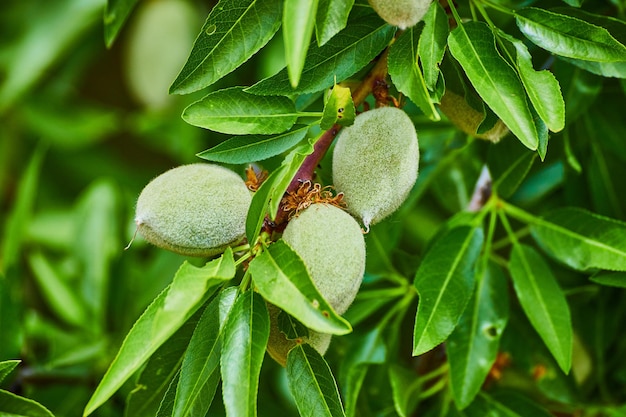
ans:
(282, 278)
(236, 112)
(246, 332)
(167, 313)
(509, 165)
(405, 386)
(332, 17)
(6, 367)
(199, 372)
(486, 405)
(432, 43)
(115, 15)
(611, 279)
(167, 404)
(346, 53)
(290, 327)
(339, 108)
(582, 240)
(405, 71)
(298, 24)
(234, 31)
(444, 282)
(312, 384)
(473, 346)
(473, 46)
(543, 302)
(164, 364)
(244, 149)
(569, 36)
(12, 405)
(542, 87)
(259, 206)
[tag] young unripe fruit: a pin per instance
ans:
(401, 13)
(195, 210)
(331, 244)
(375, 163)
(468, 119)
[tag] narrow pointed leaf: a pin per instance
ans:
(168, 312)
(405, 387)
(234, 31)
(252, 148)
(473, 346)
(246, 332)
(260, 206)
(200, 367)
(346, 53)
(444, 282)
(473, 46)
(115, 15)
(282, 278)
(610, 279)
(582, 240)
(406, 73)
(332, 17)
(12, 405)
(298, 24)
(339, 108)
(543, 302)
(312, 384)
(6, 367)
(542, 87)
(432, 43)
(515, 406)
(167, 403)
(568, 36)
(509, 165)
(236, 112)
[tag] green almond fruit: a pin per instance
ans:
(401, 13)
(375, 163)
(194, 210)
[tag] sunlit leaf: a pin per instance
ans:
(298, 23)
(234, 31)
(432, 43)
(339, 108)
(332, 17)
(246, 332)
(543, 302)
(282, 278)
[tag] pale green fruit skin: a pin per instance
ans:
(278, 346)
(331, 244)
(375, 163)
(401, 13)
(195, 210)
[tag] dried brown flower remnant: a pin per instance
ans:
(306, 194)
(254, 178)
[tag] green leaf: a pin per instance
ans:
(167, 404)
(509, 165)
(234, 31)
(473, 46)
(246, 332)
(282, 278)
(168, 312)
(56, 291)
(582, 240)
(339, 108)
(405, 71)
(543, 302)
(332, 17)
(298, 24)
(199, 373)
(432, 43)
(12, 405)
(610, 279)
(259, 206)
(164, 364)
(346, 53)
(115, 15)
(312, 384)
(568, 36)
(405, 388)
(21, 212)
(473, 346)
(516, 406)
(236, 112)
(245, 149)
(6, 367)
(444, 282)
(542, 87)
